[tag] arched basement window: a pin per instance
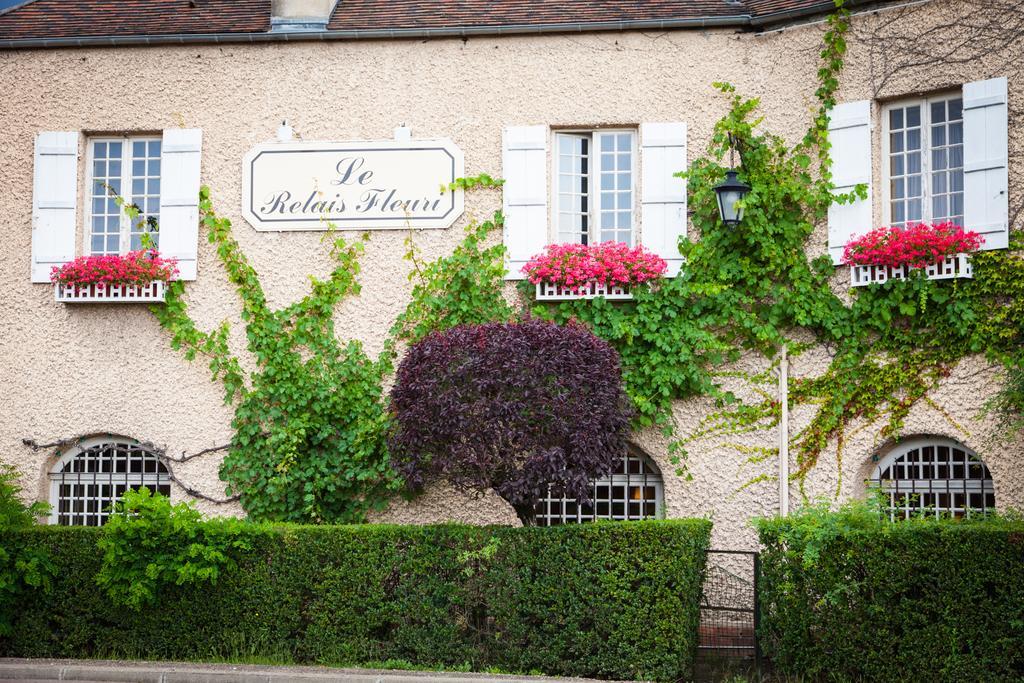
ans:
(937, 477)
(634, 490)
(93, 474)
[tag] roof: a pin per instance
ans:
(59, 22)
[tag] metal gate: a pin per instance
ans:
(729, 607)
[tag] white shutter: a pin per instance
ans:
(849, 132)
(179, 197)
(986, 206)
(663, 206)
(54, 199)
(524, 167)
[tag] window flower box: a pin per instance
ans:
(138, 276)
(941, 251)
(609, 270)
(550, 291)
(150, 292)
(955, 266)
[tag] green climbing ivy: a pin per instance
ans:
(462, 288)
(309, 420)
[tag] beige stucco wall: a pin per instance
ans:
(67, 370)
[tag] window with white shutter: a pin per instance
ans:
(663, 215)
(945, 159)
(849, 133)
(986, 200)
(525, 206)
(179, 198)
(54, 200)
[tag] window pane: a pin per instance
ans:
(616, 183)
(898, 213)
(913, 116)
(913, 162)
(956, 109)
(914, 139)
(914, 210)
(947, 161)
(956, 133)
(145, 192)
(573, 187)
(896, 142)
(914, 186)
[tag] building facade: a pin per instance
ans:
(157, 97)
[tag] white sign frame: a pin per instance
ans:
(289, 186)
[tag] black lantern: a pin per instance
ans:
(730, 191)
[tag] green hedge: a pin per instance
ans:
(609, 600)
(853, 597)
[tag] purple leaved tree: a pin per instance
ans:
(513, 407)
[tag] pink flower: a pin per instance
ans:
(134, 268)
(917, 245)
(610, 263)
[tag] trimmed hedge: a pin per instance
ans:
(608, 600)
(846, 598)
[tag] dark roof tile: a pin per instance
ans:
(62, 19)
(42, 19)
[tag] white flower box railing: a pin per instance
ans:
(549, 291)
(92, 294)
(955, 266)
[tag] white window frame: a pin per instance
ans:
(651, 477)
(594, 210)
(124, 243)
(951, 486)
(926, 149)
(155, 481)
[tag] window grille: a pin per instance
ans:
(925, 161)
(634, 490)
(935, 477)
(595, 186)
(92, 476)
(129, 167)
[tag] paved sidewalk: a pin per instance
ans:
(106, 671)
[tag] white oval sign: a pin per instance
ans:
(385, 185)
